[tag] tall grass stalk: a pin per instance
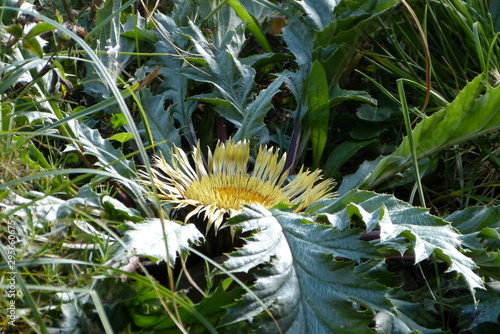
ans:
(409, 133)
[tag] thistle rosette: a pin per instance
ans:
(226, 183)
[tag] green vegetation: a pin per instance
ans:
(398, 101)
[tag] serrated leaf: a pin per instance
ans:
(304, 287)
(428, 240)
(263, 245)
(253, 117)
(148, 239)
(108, 40)
(364, 171)
(86, 201)
(233, 80)
(169, 39)
(299, 39)
(470, 115)
(480, 227)
(91, 230)
(174, 88)
(233, 96)
(427, 234)
(118, 208)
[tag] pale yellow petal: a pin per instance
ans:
(199, 163)
(267, 166)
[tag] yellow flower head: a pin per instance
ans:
(227, 183)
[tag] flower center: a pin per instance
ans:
(231, 191)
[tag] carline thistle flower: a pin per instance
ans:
(227, 183)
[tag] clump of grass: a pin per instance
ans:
(13, 167)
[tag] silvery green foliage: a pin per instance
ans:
(315, 274)
(165, 243)
(160, 124)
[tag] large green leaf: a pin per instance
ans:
(470, 115)
(174, 85)
(318, 274)
(304, 286)
(232, 80)
(233, 96)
